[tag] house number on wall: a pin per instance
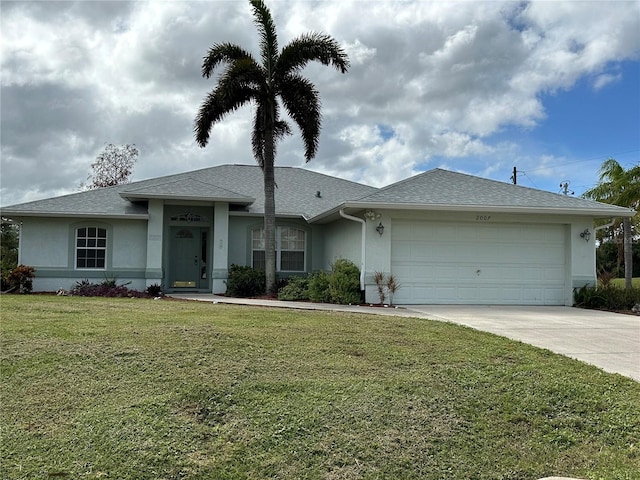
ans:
(483, 218)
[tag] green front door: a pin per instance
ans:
(188, 258)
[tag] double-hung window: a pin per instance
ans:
(91, 248)
(290, 249)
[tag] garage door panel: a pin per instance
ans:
(478, 263)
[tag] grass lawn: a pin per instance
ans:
(619, 282)
(144, 389)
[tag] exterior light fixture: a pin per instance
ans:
(586, 235)
(380, 228)
(371, 215)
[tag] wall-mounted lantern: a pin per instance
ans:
(586, 235)
(380, 229)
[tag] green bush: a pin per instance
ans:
(607, 297)
(319, 287)
(341, 286)
(344, 282)
(296, 288)
(245, 282)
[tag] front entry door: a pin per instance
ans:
(188, 258)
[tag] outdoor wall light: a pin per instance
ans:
(586, 235)
(380, 228)
(371, 215)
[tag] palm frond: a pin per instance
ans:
(259, 132)
(216, 106)
(302, 102)
(257, 137)
(617, 186)
(268, 37)
(222, 53)
(281, 129)
(312, 47)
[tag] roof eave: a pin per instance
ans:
(126, 216)
(136, 198)
(588, 212)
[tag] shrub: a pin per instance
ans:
(245, 282)
(380, 279)
(344, 282)
(386, 285)
(297, 288)
(154, 290)
(607, 297)
(20, 279)
(85, 288)
(319, 287)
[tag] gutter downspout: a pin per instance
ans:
(363, 236)
(605, 226)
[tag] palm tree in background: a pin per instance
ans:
(276, 77)
(618, 186)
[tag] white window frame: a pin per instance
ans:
(279, 249)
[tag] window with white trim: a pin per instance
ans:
(91, 248)
(290, 249)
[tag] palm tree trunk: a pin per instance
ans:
(269, 213)
(628, 256)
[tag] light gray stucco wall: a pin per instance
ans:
(48, 245)
(342, 239)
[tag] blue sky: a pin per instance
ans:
(552, 87)
(587, 126)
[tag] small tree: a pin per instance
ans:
(8, 245)
(113, 166)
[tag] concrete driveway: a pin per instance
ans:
(610, 341)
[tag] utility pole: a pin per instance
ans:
(514, 177)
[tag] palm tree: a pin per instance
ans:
(276, 77)
(620, 187)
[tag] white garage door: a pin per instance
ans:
(449, 263)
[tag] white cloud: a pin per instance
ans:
(605, 79)
(430, 83)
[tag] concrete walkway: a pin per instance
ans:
(610, 341)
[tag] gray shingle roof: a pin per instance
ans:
(312, 195)
(184, 190)
(296, 194)
(445, 188)
(101, 202)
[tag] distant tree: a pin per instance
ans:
(621, 187)
(8, 247)
(112, 166)
(276, 77)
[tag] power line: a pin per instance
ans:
(595, 159)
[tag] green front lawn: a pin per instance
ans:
(619, 282)
(144, 389)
